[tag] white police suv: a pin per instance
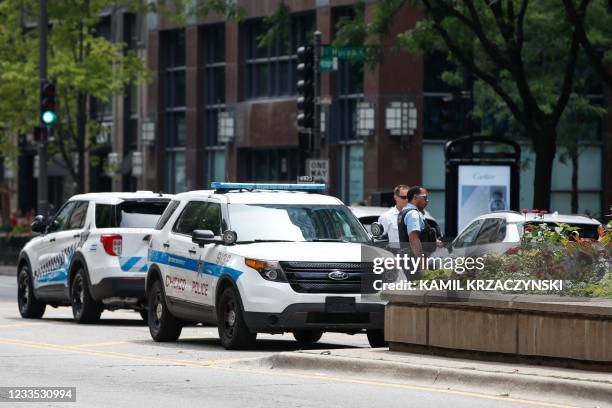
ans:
(259, 258)
(90, 255)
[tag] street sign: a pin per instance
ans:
(343, 53)
(328, 64)
(318, 169)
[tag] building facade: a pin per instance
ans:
(221, 108)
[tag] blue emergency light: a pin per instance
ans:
(217, 185)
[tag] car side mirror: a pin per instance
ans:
(377, 230)
(202, 237)
(39, 224)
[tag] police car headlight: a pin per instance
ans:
(269, 270)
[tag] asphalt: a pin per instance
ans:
(115, 363)
(8, 270)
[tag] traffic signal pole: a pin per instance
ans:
(42, 181)
(316, 131)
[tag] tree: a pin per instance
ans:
(84, 65)
(522, 55)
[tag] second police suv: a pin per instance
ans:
(252, 258)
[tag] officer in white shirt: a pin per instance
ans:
(388, 219)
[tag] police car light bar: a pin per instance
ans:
(217, 185)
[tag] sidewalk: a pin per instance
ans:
(8, 270)
(567, 386)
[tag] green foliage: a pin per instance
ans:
(278, 24)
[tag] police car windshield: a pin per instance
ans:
(295, 223)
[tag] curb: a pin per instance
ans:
(466, 379)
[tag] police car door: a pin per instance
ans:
(182, 253)
(67, 240)
(210, 263)
(47, 268)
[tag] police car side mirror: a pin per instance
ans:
(202, 237)
(39, 224)
(377, 230)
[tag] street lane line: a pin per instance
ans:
(214, 365)
(108, 343)
(11, 325)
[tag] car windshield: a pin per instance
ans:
(284, 222)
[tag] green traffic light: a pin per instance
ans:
(49, 117)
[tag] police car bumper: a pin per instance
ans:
(335, 315)
(127, 287)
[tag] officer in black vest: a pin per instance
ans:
(412, 226)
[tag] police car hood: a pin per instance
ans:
(301, 251)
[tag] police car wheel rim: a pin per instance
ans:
(24, 290)
(158, 307)
(230, 317)
(78, 295)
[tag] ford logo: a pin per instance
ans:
(338, 275)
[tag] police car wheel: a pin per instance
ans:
(307, 337)
(29, 307)
(163, 326)
(233, 331)
(376, 338)
(84, 308)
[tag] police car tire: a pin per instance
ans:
(166, 327)
(376, 338)
(239, 337)
(84, 308)
(307, 336)
(29, 307)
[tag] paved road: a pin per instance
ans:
(116, 364)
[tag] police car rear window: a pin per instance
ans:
(130, 214)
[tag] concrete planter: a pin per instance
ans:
(519, 325)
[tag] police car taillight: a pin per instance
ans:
(112, 244)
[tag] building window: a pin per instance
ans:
(174, 110)
(343, 123)
(214, 100)
(271, 70)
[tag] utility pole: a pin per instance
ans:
(316, 131)
(42, 182)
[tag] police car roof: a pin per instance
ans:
(513, 216)
(117, 197)
(263, 197)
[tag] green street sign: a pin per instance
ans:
(328, 64)
(344, 53)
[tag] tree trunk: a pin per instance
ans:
(545, 149)
(574, 156)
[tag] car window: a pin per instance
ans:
(501, 232)
(467, 236)
(488, 232)
(212, 219)
(77, 219)
(60, 221)
(163, 220)
(130, 214)
(190, 218)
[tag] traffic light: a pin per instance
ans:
(305, 87)
(48, 115)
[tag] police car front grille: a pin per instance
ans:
(313, 277)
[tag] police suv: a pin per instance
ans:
(259, 258)
(91, 255)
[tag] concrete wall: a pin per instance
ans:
(508, 324)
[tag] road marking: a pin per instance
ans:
(214, 365)
(11, 325)
(108, 343)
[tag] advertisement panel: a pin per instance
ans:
(482, 189)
